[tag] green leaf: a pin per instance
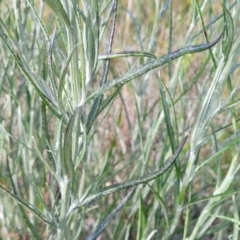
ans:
(24, 215)
(142, 219)
(163, 205)
(47, 137)
(58, 9)
(168, 119)
(61, 89)
(212, 101)
(219, 153)
(228, 39)
(120, 186)
(106, 102)
(67, 147)
(125, 54)
(106, 221)
(38, 18)
(39, 84)
(83, 146)
(42, 158)
(233, 220)
(167, 114)
(28, 206)
(132, 74)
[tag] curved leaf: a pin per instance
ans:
(153, 64)
(120, 186)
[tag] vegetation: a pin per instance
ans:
(97, 100)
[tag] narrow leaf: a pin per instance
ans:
(67, 148)
(58, 9)
(226, 218)
(132, 74)
(125, 54)
(228, 40)
(83, 147)
(27, 205)
(39, 84)
(142, 219)
(120, 186)
(105, 222)
(24, 215)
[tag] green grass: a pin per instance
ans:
(97, 98)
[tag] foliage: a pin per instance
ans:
(81, 121)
